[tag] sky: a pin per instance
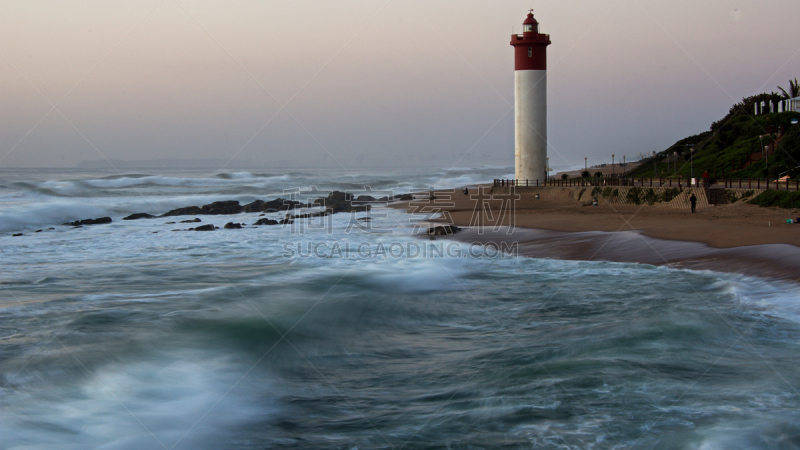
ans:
(372, 83)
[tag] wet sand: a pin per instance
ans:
(737, 238)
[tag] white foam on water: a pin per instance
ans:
(774, 298)
(183, 400)
(22, 217)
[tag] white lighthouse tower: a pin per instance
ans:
(530, 101)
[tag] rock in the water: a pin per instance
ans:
(17, 234)
(208, 227)
(266, 222)
(187, 211)
(38, 231)
(233, 207)
(286, 222)
(90, 221)
(233, 226)
(403, 197)
(195, 220)
(309, 215)
(278, 204)
(216, 208)
(139, 216)
(337, 202)
(442, 230)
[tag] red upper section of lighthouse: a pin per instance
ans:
(530, 47)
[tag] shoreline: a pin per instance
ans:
(734, 238)
(775, 261)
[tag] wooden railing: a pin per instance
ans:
(759, 183)
(741, 183)
(609, 181)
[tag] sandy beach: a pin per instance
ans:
(737, 237)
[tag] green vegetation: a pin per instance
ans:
(633, 196)
(794, 89)
(782, 199)
(606, 192)
(725, 149)
(671, 193)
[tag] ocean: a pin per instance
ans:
(340, 333)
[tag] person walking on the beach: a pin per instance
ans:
(693, 201)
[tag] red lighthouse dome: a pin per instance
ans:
(530, 25)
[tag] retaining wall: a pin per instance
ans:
(680, 201)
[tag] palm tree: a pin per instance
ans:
(794, 89)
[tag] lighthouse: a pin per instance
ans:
(530, 101)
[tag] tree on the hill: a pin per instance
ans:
(564, 176)
(585, 174)
(794, 89)
(598, 174)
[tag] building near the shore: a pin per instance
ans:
(794, 104)
(786, 105)
(530, 101)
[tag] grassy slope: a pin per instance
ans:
(728, 148)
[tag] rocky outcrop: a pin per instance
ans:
(334, 203)
(195, 220)
(337, 202)
(230, 207)
(276, 205)
(443, 230)
(217, 208)
(138, 216)
(208, 227)
(266, 222)
(97, 221)
(233, 226)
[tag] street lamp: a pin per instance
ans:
(691, 161)
(624, 166)
(612, 164)
(547, 177)
(585, 163)
(675, 166)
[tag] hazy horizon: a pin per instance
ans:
(371, 83)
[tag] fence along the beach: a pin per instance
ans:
(728, 183)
